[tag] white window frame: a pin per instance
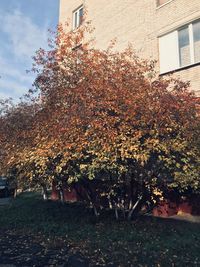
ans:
(191, 42)
(191, 47)
(76, 22)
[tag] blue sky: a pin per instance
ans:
(24, 28)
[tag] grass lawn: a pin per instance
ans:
(144, 242)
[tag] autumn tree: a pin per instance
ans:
(107, 123)
(112, 118)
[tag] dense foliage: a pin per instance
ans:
(105, 121)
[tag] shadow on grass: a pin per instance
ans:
(147, 240)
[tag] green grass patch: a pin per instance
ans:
(145, 242)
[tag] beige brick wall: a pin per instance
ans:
(139, 22)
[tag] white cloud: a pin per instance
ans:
(10, 88)
(24, 35)
(9, 70)
(21, 38)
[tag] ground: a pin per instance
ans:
(4, 201)
(38, 233)
(22, 249)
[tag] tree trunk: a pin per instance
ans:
(124, 213)
(95, 212)
(15, 193)
(133, 208)
(116, 214)
(110, 203)
(44, 192)
(61, 195)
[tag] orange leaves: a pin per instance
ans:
(97, 109)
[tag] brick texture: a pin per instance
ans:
(139, 22)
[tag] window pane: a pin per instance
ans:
(80, 16)
(184, 47)
(196, 33)
(77, 17)
(169, 53)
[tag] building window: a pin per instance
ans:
(196, 36)
(180, 48)
(78, 50)
(184, 47)
(77, 17)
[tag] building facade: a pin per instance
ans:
(167, 31)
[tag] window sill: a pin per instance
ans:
(180, 69)
(158, 7)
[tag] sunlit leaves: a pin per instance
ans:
(102, 115)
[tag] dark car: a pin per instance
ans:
(5, 189)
